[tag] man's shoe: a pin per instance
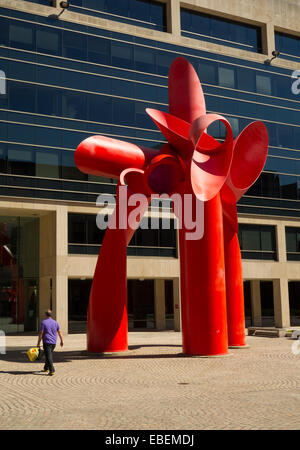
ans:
(45, 370)
(50, 374)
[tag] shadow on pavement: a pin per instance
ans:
(19, 355)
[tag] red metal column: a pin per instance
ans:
(107, 324)
(203, 298)
(234, 288)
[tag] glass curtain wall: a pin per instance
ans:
(19, 273)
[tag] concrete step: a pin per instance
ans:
(266, 332)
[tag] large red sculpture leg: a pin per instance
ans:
(249, 157)
(234, 288)
(107, 323)
(203, 298)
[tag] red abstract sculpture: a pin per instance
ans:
(197, 168)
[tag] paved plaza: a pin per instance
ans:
(151, 387)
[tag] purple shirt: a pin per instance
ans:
(49, 327)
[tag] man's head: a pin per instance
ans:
(48, 313)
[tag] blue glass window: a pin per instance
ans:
(69, 169)
(143, 13)
(20, 161)
(257, 242)
(123, 111)
(100, 108)
(47, 163)
(48, 101)
(207, 72)
(4, 31)
(48, 41)
(221, 31)
(288, 45)
(74, 45)
(73, 105)
(21, 97)
(226, 77)
(144, 59)
(22, 35)
(263, 84)
(121, 54)
(98, 50)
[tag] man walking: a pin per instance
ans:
(48, 332)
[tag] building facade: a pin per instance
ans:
(93, 69)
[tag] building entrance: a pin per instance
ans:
(19, 273)
(140, 304)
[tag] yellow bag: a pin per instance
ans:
(33, 353)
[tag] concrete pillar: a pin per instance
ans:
(159, 304)
(255, 303)
(53, 265)
(268, 39)
(60, 282)
(177, 309)
(281, 242)
(173, 17)
(281, 303)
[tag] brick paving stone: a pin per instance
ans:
(151, 387)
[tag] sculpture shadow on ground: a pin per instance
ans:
(63, 356)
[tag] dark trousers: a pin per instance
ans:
(48, 349)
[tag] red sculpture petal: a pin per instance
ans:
(210, 166)
(175, 130)
(186, 99)
(249, 157)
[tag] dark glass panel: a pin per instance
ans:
(263, 84)
(123, 111)
(270, 185)
(69, 169)
(20, 161)
(4, 31)
(100, 108)
(98, 50)
(48, 40)
(48, 101)
(288, 186)
(144, 59)
(74, 105)
(220, 30)
(77, 229)
(246, 79)
(226, 77)
(74, 45)
(122, 54)
(147, 237)
(47, 163)
(22, 35)
(21, 70)
(207, 72)
(3, 157)
(95, 235)
(21, 97)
